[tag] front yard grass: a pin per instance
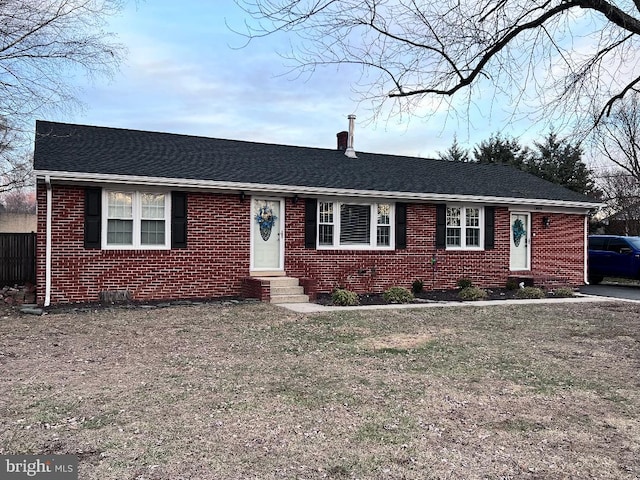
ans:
(255, 391)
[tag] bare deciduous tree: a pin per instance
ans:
(15, 165)
(621, 193)
(44, 45)
(19, 201)
(617, 140)
(572, 56)
(617, 137)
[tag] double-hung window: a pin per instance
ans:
(136, 219)
(325, 223)
(355, 225)
(464, 227)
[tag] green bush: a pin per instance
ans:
(564, 292)
(464, 283)
(472, 293)
(417, 286)
(530, 292)
(397, 295)
(512, 284)
(344, 297)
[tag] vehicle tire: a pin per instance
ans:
(595, 280)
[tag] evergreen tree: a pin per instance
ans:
(559, 161)
(503, 150)
(455, 153)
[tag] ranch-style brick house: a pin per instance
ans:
(157, 216)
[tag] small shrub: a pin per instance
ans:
(344, 297)
(464, 283)
(472, 294)
(397, 295)
(530, 292)
(564, 292)
(512, 284)
(417, 286)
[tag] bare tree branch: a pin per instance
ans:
(576, 56)
(617, 137)
(44, 44)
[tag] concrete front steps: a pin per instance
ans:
(286, 290)
(277, 288)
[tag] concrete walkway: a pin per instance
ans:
(316, 308)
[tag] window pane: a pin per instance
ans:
(152, 232)
(120, 232)
(325, 235)
(384, 210)
(616, 244)
(120, 205)
(355, 224)
(152, 205)
(384, 236)
(453, 217)
(473, 217)
(473, 237)
(326, 212)
(453, 237)
(325, 223)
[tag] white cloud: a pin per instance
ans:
(181, 76)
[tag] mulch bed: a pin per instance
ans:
(428, 296)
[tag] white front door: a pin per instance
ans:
(520, 241)
(267, 234)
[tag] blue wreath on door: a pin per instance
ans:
(266, 220)
(518, 232)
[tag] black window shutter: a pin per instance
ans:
(401, 226)
(92, 217)
(310, 222)
(441, 226)
(178, 220)
(489, 227)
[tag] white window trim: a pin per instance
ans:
(463, 227)
(137, 220)
(373, 229)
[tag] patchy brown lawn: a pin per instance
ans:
(256, 391)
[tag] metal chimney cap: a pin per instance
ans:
(350, 152)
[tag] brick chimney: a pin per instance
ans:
(343, 138)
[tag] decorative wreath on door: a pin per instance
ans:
(266, 220)
(518, 232)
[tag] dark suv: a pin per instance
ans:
(613, 256)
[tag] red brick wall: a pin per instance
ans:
(213, 265)
(217, 257)
(557, 251)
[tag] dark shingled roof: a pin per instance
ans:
(64, 147)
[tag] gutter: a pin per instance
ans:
(47, 268)
(83, 177)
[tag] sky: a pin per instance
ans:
(188, 72)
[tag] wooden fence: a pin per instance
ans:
(17, 258)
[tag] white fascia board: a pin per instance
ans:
(186, 183)
(546, 209)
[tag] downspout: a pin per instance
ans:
(586, 249)
(47, 268)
